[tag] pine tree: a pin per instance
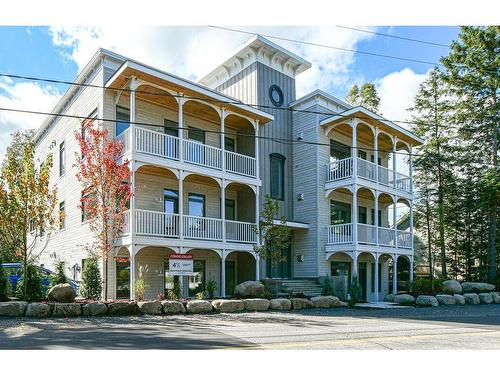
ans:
(59, 277)
(29, 287)
(365, 96)
(91, 287)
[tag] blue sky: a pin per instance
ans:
(60, 52)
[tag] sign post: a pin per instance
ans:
(180, 264)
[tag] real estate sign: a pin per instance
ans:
(180, 264)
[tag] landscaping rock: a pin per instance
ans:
(496, 297)
(38, 310)
(426, 301)
(13, 308)
(256, 304)
(459, 299)
(249, 289)
(325, 302)
(389, 298)
(94, 309)
(301, 303)
(66, 310)
(485, 298)
(469, 287)
(471, 299)
(445, 299)
(404, 299)
(149, 307)
(280, 304)
(228, 305)
(122, 308)
(198, 306)
(451, 287)
(61, 293)
(173, 307)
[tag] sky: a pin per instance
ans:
(60, 52)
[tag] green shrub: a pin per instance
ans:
(200, 295)
(230, 287)
(355, 292)
(4, 285)
(91, 287)
(210, 288)
(327, 289)
(422, 286)
(140, 289)
(34, 288)
(59, 277)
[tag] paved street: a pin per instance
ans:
(454, 327)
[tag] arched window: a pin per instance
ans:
(277, 169)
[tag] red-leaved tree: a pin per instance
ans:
(105, 181)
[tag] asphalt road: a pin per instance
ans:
(453, 327)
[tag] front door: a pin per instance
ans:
(362, 280)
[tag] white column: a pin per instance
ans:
(354, 215)
(132, 228)
(223, 209)
(132, 272)
(354, 264)
(181, 129)
(376, 277)
(257, 267)
(375, 154)
(354, 149)
(411, 224)
(395, 275)
(411, 270)
(395, 140)
(133, 118)
(222, 141)
(394, 219)
(257, 158)
(223, 274)
(375, 219)
(410, 162)
(257, 213)
(181, 204)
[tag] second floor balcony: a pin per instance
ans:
(341, 234)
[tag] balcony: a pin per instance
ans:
(158, 224)
(341, 234)
(343, 169)
(163, 146)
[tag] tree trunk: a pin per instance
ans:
(427, 217)
(492, 225)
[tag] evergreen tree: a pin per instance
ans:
(29, 287)
(59, 277)
(91, 287)
(365, 96)
(4, 284)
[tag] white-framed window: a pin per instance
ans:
(62, 159)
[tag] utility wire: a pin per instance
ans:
(273, 139)
(394, 36)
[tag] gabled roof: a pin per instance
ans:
(371, 117)
(255, 49)
(320, 94)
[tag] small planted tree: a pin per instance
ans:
(91, 280)
(274, 238)
(106, 188)
(29, 287)
(59, 277)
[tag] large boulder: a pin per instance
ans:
(149, 307)
(38, 310)
(451, 287)
(249, 289)
(471, 299)
(122, 308)
(459, 299)
(404, 299)
(228, 305)
(485, 298)
(256, 304)
(66, 310)
(445, 299)
(173, 307)
(430, 301)
(470, 287)
(301, 303)
(13, 308)
(94, 309)
(496, 297)
(325, 302)
(389, 298)
(280, 304)
(198, 306)
(61, 293)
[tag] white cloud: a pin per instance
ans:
(23, 95)
(397, 91)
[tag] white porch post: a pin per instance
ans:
(395, 275)
(222, 139)
(411, 224)
(376, 277)
(132, 272)
(257, 213)
(132, 202)
(411, 271)
(181, 129)
(223, 274)
(354, 264)
(394, 219)
(375, 219)
(354, 215)
(223, 209)
(181, 204)
(257, 159)
(395, 140)
(375, 153)
(410, 162)
(354, 149)
(133, 120)
(257, 267)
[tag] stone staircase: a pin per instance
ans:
(309, 287)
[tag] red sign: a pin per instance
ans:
(180, 256)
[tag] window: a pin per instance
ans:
(62, 159)
(379, 217)
(229, 144)
(196, 205)
(230, 208)
(197, 281)
(362, 154)
(372, 157)
(171, 201)
(339, 150)
(197, 135)
(340, 213)
(122, 120)
(278, 177)
(62, 215)
(362, 218)
(171, 127)
(84, 207)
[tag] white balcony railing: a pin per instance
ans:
(367, 234)
(156, 143)
(386, 236)
(241, 164)
(237, 231)
(403, 182)
(153, 223)
(202, 154)
(385, 176)
(339, 234)
(339, 169)
(404, 239)
(366, 169)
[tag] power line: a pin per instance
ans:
(394, 36)
(274, 139)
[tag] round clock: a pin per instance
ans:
(276, 95)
